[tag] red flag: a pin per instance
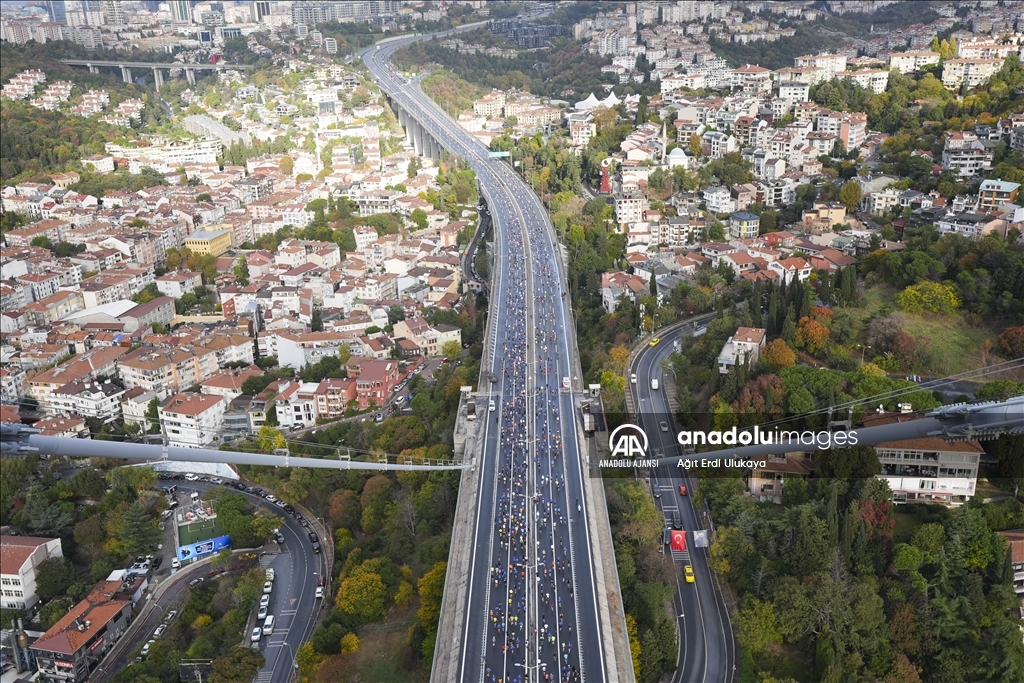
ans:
(679, 541)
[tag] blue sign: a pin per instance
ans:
(497, 155)
(203, 548)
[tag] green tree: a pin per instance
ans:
(42, 241)
(137, 531)
(237, 665)
(758, 627)
(419, 217)
(362, 596)
(53, 577)
(850, 195)
(52, 612)
(431, 590)
(242, 271)
(451, 349)
(286, 166)
(89, 483)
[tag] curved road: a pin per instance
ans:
(292, 602)
(707, 649)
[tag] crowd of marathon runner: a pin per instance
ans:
(532, 628)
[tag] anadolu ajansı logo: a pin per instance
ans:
(628, 441)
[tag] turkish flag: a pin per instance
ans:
(679, 541)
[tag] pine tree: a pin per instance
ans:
(825, 291)
(805, 300)
(832, 516)
(773, 312)
(654, 285)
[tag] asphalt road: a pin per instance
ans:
(292, 602)
(531, 572)
(707, 649)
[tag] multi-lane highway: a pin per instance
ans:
(532, 604)
(707, 651)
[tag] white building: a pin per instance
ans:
(297, 405)
(20, 556)
(192, 420)
(747, 343)
(930, 469)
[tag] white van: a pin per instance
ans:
(268, 625)
(654, 384)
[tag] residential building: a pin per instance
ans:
(98, 400)
(178, 282)
(744, 346)
(20, 557)
(744, 225)
(969, 72)
(297, 404)
(1015, 539)
(993, 193)
(909, 62)
(375, 380)
(167, 371)
(629, 207)
(617, 285)
(767, 481)
(73, 647)
(790, 268)
(191, 420)
(929, 468)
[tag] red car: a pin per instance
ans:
(682, 489)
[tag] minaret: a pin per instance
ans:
(664, 141)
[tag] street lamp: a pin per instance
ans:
(862, 348)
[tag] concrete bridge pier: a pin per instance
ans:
(126, 74)
(93, 69)
(158, 76)
(190, 76)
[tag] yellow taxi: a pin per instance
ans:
(688, 572)
(655, 341)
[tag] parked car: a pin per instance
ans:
(268, 586)
(170, 616)
(279, 537)
(256, 633)
(316, 547)
(145, 648)
(195, 582)
(271, 498)
(265, 600)
(262, 613)
(175, 563)
(655, 490)
(159, 631)
(313, 537)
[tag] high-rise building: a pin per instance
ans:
(92, 12)
(57, 11)
(260, 9)
(113, 13)
(181, 11)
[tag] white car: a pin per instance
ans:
(191, 477)
(632, 378)
(175, 563)
(265, 600)
(271, 499)
(145, 648)
(159, 631)
(319, 591)
(256, 632)
(262, 614)
(268, 586)
(216, 480)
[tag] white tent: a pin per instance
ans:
(588, 103)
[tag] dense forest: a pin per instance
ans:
(836, 585)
